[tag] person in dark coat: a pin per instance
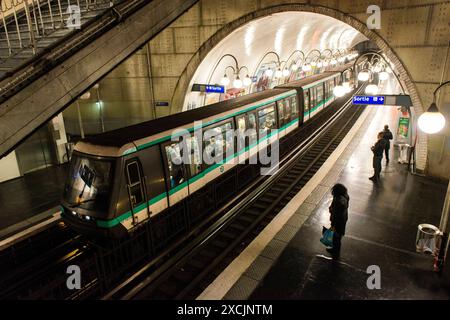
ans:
(377, 150)
(387, 135)
(338, 216)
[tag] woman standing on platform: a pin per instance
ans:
(338, 216)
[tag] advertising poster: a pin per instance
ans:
(403, 127)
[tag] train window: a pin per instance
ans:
(134, 183)
(252, 130)
(319, 90)
(294, 108)
(306, 100)
(195, 160)
(175, 164)
(312, 98)
(287, 111)
(281, 113)
(266, 120)
(242, 127)
(218, 143)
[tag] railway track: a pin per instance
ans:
(189, 272)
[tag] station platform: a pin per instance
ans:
(30, 199)
(287, 260)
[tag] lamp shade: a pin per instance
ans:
(431, 121)
(339, 91)
(237, 83)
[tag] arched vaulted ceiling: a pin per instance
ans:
(283, 33)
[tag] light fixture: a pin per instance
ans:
(363, 76)
(339, 91)
(377, 68)
(371, 89)
(278, 73)
(294, 67)
(285, 72)
(383, 75)
(237, 83)
(269, 73)
(325, 63)
(431, 121)
(347, 87)
(306, 67)
(319, 64)
(247, 81)
(225, 80)
(333, 62)
(313, 64)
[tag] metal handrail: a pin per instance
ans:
(42, 18)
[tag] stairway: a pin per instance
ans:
(28, 32)
(38, 85)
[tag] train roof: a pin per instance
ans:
(305, 81)
(120, 137)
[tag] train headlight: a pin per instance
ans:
(87, 218)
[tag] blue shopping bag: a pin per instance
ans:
(327, 237)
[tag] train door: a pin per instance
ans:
(242, 139)
(306, 104)
(252, 126)
(176, 172)
(194, 165)
(281, 118)
(137, 194)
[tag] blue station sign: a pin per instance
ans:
(208, 88)
(369, 100)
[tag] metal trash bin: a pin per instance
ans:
(427, 239)
(405, 151)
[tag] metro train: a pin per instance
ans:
(129, 177)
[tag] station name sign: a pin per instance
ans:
(403, 100)
(208, 88)
(369, 100)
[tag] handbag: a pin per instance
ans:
(327, 237)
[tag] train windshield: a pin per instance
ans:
(89, 184)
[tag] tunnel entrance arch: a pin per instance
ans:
(182, 85)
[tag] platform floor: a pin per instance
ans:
(381, 231)
(33, 195)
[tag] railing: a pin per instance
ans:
(42, 17)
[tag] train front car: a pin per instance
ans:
(88, 197)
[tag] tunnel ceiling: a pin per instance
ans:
(281, 32)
